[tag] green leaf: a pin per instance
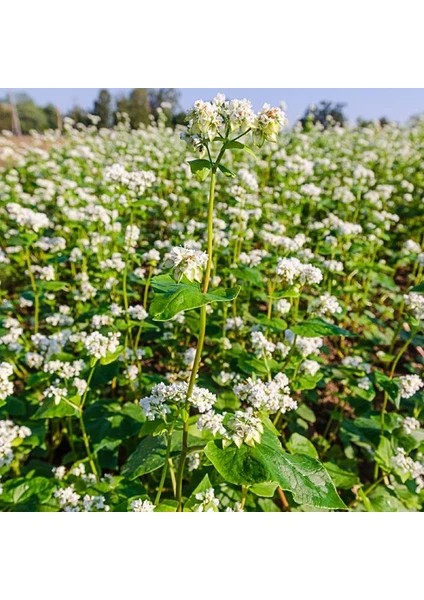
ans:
(171, 298)
(111, 357)
(319, 328)
(343, 479)
(306, 413)
(298, 444)
(54, 286)
(418, 288)
(200, 168)
(167, 506)
(265, 490)
(384, 454)
(50, 410)
(226, 171)
(204, 485)
(148, 456)
(388, 385)
(239, 146)
(301, 475)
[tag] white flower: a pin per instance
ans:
(26, 217)
(243, 428)
(282, 306)
(261, 346)
(325, 305)
(137, 312)
(409, 385)
(207, 501)
(9, 432)
(56, 393)
(270, 396)
(163, 397)
(268, 123)
(292, 270)
(409, 424)
(186, 260)
(211, 421)
(59, 472)
(132, 233)
(310, 367)
(415, 303)
(142, 506)
(193, 461)
(99, 345)
(6, 386)
(138, 181)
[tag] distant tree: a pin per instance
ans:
(79, 115)
(167, 98)
(5, 115)
(136, 105)
(103, 108)
(179, 118)
(53, 116)
(31, 116)
(382, 121)
(326, 113)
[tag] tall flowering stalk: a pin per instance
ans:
(220, 124)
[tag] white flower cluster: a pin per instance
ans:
(140, 505)
(162, 397)
(186, 260)
(71, 501)
(242, 427)
(270, 396)
(9, 432)
(137, 312)
(46, 273)
(310, 367)
(291, 271)
(356, 362)
(234, 323)
(261, 346)
(415, 303)
(282, 306)
(206, 120)
(213, 422)
(138, 181)
(409, 385)
(57, 393)
(6, 386)
(26, 217)
(99, 345)
(207, 501)
(407, 466)
(304, 345)
(409, 424)
(132, 233)
(325, 305)
(193, 461)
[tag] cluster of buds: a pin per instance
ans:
(220, 118)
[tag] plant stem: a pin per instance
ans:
(165, 467)
(81, 420)
(392, 372)
(200, 339)
(34, 289)
(87, 446)
(243, 496)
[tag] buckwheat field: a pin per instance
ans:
(225, 316)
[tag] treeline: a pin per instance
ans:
(20, 114)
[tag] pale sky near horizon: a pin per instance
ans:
(395, 104)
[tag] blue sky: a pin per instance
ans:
(396, 104)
